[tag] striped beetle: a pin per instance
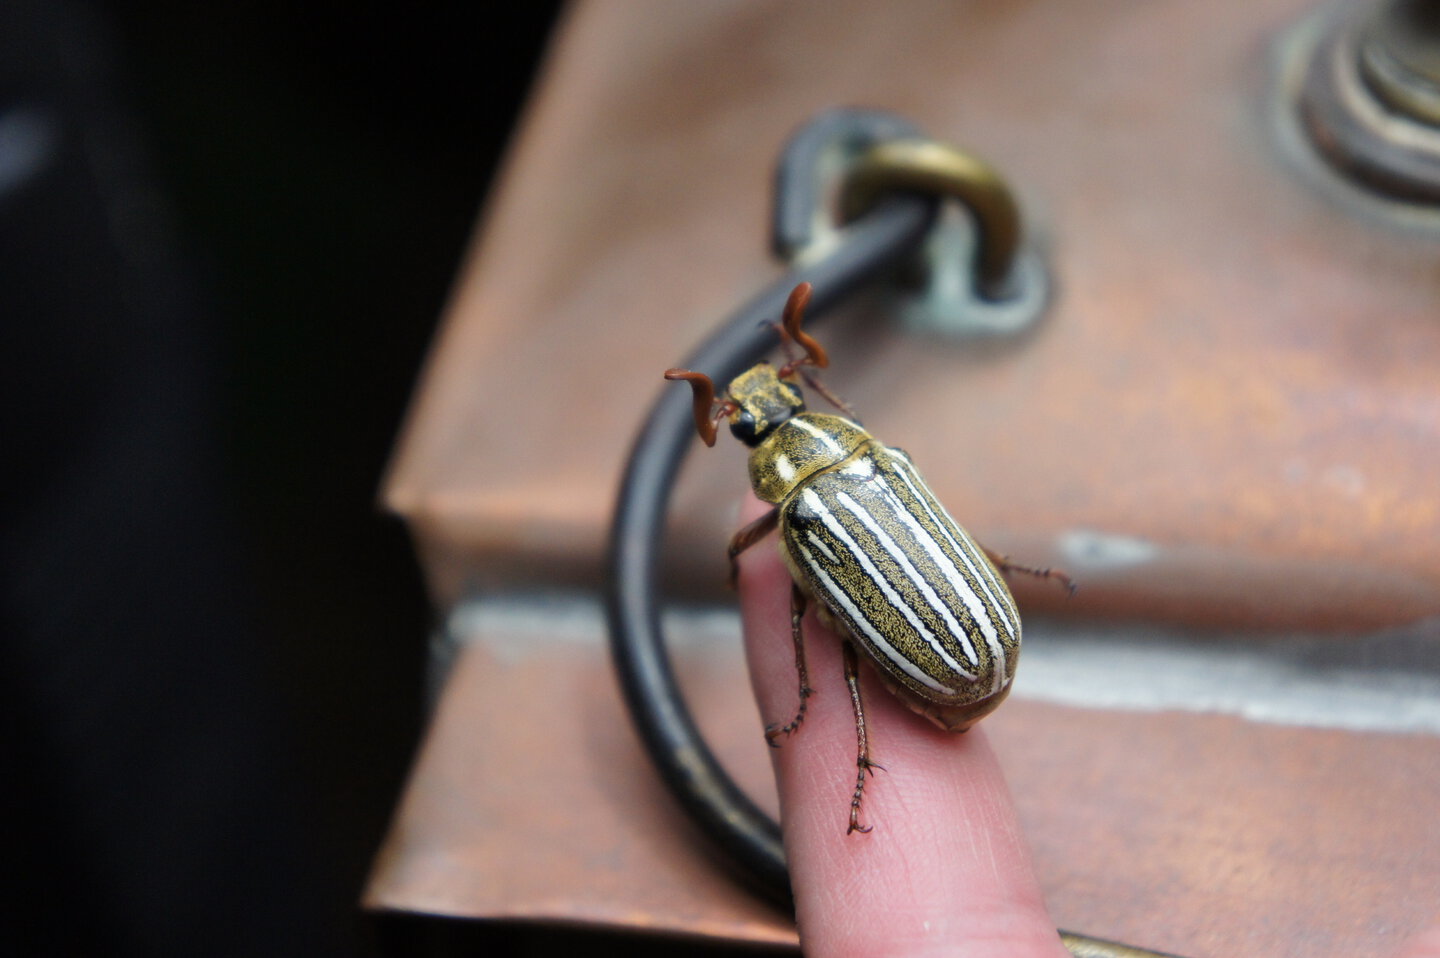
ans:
(861, 531)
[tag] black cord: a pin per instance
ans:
(869, 248)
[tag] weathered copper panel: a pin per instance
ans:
(1238, 371)
(1195, 834)
(1230, 416)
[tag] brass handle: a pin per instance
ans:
(924, 166)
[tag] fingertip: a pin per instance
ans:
(945, 864)
(938, 860)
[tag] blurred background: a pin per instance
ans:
(227, 231)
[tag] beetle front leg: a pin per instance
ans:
(863, 765)
(748, 536)
(797, 614)
(1005, 565)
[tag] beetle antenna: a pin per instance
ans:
(707, 410)
(790, 330)
(791, 335)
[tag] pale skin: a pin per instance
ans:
(946, 870)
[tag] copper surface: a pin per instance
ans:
(1200, 835)
(1229, 417)
(1364, 110)
(1238, 370)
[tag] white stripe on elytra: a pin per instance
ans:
(785, 468)
(966, 594)
(892, 548)
(866, 469)
(951, 572)
(876, 638)
(819, 433)
(985, 574)
(873, 571)
(819, 543)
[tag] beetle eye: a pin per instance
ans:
(745, 428)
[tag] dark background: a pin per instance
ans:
(226, 232)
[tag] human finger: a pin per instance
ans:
(946, 865)
(1424, 945)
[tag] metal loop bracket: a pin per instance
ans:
(924, 166)
(978, 272)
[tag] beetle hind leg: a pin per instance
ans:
(1007, 566)
(797, 614)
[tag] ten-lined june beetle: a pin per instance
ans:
(861, 531)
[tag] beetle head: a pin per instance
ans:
(763, 400)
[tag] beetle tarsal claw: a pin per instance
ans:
(855, 826)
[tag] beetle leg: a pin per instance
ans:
(1006, 566)
(797, 613)
(862, 758)
(747, 537)
(814, 383)
(799, 364)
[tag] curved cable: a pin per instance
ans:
(872, 246)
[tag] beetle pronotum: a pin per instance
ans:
(861, 531)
